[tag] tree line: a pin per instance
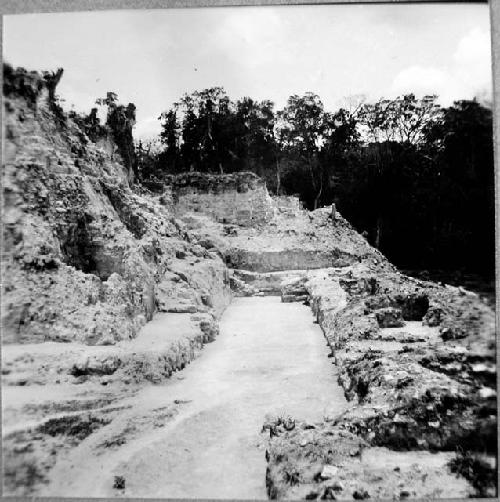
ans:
(417, 178)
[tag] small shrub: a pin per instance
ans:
(119, 483)
(479, 473)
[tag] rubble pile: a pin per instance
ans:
(417, 362)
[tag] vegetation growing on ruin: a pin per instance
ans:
(120, 120)
(479, 472)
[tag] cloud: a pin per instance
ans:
(253, 36)
(147, 128)
(427, 80)
(468, 74)
(472, 60)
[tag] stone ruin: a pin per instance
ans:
(89, 263)
(238, 198)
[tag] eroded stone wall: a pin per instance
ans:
(238, 198)
(288, 204)
(286, 259)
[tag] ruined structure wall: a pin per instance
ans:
(239, 198)
(288, 204)
(288, 259)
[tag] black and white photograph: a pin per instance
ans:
(248, 252)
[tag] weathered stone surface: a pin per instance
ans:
(389, 317)
(238, 199)
(308, 240)
(163, 346)
(269, 283)
(296, 468)
(87, 258)
(435, 394)
(294, 290)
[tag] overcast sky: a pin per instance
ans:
(152, 57)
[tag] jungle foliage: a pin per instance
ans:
(416, 177)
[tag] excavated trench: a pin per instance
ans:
(84, 260)
(270, 359)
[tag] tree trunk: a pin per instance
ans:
(313, 181)
(318, 195)
(278, 177)
(378, 235)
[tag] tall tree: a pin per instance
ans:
(169, 137)
(301, 127)
(342, 138)
(120, 120)
(254, 129)
(461, 147)
(402, 119)
(387, 125)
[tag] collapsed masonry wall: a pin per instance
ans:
(417, 362)
(288, 204)
(288, 259)
(238, 198)
(85, 258)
